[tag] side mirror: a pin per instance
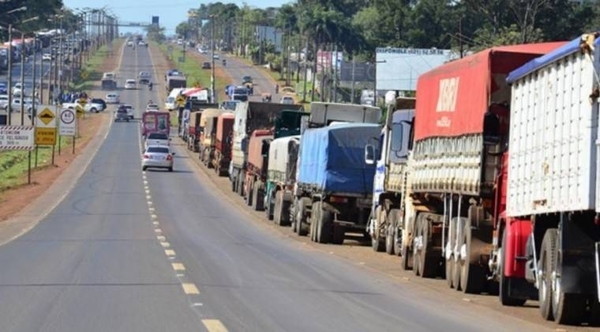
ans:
(369, 154)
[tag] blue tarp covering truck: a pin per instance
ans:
(334, 184)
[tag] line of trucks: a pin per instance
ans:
(489, 178)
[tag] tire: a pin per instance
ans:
(315, 216)
(170, 169)
(338, 235)
(390, 235)
(249, 193)
(240, 185)
(406, 260)
(472, 276)
(301, 226)
(450, 263)
(257, 196)
(278, 213)
(144, 168)
(324, 225)
(127, 120)
(93, 110)
(566, 308)
(504, 282)
(269, 208)
(428, 265)
(546, 263)
(377, 244)
(233, 181)
(286, 206)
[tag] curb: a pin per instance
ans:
(26, 219)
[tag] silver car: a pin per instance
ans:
(158, 156)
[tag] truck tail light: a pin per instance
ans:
(335, 199)
(169, 157)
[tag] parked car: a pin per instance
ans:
(157, 157)
(16, 104)
(206, 65)
(112, 98)
(3, 88)
(4, 102)
(100, 102)
(216, 56)
(47, 57)
(130, 84)
(130, 43)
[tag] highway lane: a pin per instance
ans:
(94, 264)
(28, 73)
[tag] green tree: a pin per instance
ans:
(184, 29)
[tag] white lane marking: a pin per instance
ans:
(148, 197)
(165, 244)
(196, 304)
(149, 202)
(150, 209)
(153, 216)
(160, 238)
(155, 223)
(178, 267)
(158, 230)
(214, 325)
(147, 191)
(190, 289)
(170, 252)
(180, 275)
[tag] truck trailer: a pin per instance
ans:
(208, 128)
(548, 227)
(256, 167)
(281, 177)
(223, 142)
(334, 185)
(461, 111)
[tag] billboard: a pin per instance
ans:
(325, 60)
(155, 20)
(270, 35)
(399, 68)
(357, 72)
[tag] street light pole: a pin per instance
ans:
(212, 47)
(10, 67)
(33, 90)
(22, 79)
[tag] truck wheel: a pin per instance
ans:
(472, 276)
(277, 209)
(567, 308)
(424, 263)
(450, 263)
(301, 226)
(325, 225)
(233, 182)
(286, 207)
(504, 283)
(257, 196)
(249, 193)
(314, 217)
(377, 243)
(406, 260)
(338, 235)
(546, 263)
(390, 235)
(240, 184)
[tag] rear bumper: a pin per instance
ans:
(157, 163)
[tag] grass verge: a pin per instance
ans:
(93, 64)
(14, 164)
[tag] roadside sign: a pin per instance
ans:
(68, 122)
(46, 119)
(180, 100)
(16, 138)
(45, 136)
(84, 74)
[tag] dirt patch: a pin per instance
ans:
(15, 199)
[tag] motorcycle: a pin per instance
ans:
(150, 86)
(224, 63)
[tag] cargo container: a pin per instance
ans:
(153, 122)
(208, 126)
(256, 167)
(461, 121)
(281, 177)
(334, 185)
(548, 228)
(223, 142)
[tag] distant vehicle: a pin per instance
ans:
(157, 157)
(157, 138)
(99, 103)
(288, 100)
(109, 75)
(141, 43)
(130, 43)
(239, 93)
(130, 111)
(4, 102)
(16, 105)
(206, 65)
(3, 88)
(121, 114)
(152, 108)
(130, 84)
(17, 89)
(112, 98)
(216, 56)
(179, 41)
(144, 77)
(202, 51)
(246, 79)
(230, 104)
(47, 57)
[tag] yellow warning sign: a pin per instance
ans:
(45, 136)
(84, 74)
(46, 116)
(180, 100)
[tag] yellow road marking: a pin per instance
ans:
(165, 244)
(170, 252)
(178, 266)
(214, 325)
(160, 238)
(190, 289)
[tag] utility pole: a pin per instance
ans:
(305, 71)
(10, 68)
(352, 98)
(41, 83)
(33, 80)
(335, 74)
(22, 78)
(212, 70)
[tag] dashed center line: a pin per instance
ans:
(214, 325)
(158, 230)
(178, 266)
(165, 244)
(190, 289)
(155, 223)
(160, 238)
(170, 252)
(154, 216)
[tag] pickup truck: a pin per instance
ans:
(157, 139)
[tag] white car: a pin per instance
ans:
(130, 111)
(152, 108)
(130, 84)
(158, 157)
(130, 43)
(154, 139)
(202, 51)
(4, 102)
(112, 98)
(16, 105)
(216, 56)
(17, 89)
(46, 57)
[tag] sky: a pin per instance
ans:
(170, 12)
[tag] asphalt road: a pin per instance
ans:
(157, 251)
(28, 72)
